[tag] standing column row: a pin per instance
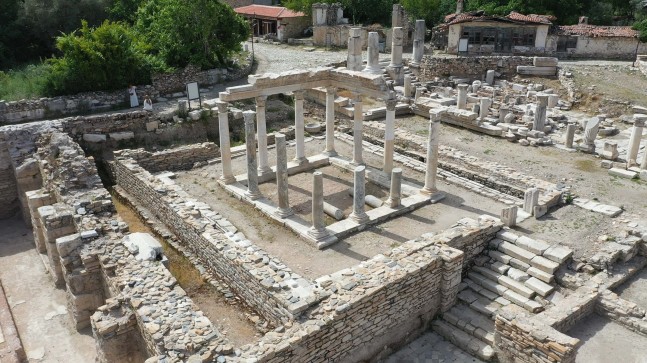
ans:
(432, 153)
(389, 135)
(299, 132)
(358, 119)
(253, 192)
(330, 121)
(225, 148)
(261, 136)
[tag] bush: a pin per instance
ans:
(104, 58)
(27, 82)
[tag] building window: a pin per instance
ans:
(489, 35)
(523, 37)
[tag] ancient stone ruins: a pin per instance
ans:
(339, 241)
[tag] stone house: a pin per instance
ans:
(478, 33)
(594, 41)
(278, 21)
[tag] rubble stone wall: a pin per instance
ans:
(237, 265)
(162, 85)
(8, 187)
(625, 312)
(181, 158)
(520, 339)
(572, 309)
(470, 67)
(378, 305)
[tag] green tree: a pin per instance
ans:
(432, 11)
(357, 11)
(108, 57)
(125, 10)
(200, 32)
(9, 31)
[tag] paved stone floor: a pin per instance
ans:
(39, 309)
(431, 348)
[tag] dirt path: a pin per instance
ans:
(40, 310)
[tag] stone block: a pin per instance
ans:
(517, 287)
(544, 264)
(517, 275)
(621, 173)
(541, 275)
(65, 245)
(532, 245)
(540, 287)
(152, 126)
(516, 251)
(94, 137)
(540, 211)
(544, 62)
(558, 254)
(125, 135)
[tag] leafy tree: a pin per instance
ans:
(110, 56)
(358, 11)
(200, 32)
(125, 10)
(9, 31)
(432, 11)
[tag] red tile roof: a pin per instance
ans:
(596, 31)
(265, 11)
(512, 17)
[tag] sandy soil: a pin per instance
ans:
(604, 341)
(39, 309)
(230, 319)
(303, 257)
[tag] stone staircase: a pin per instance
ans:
(514, 271)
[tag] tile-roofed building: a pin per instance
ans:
(596, 31)
(277, 21)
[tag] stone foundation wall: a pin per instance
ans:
(238, 263)
(572, 309)
(8, 187)
(520, 339)
(167, 85)
(625, 312)
(469, 67)
(181, 158)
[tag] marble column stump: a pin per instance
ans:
(395, 194)
(318, 229)
(225, 146)
(429, 188)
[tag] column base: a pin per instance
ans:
(227, 179)
(318, 234)
(265, 171)
(329, 153)
(434, 195)
(357, 162)
(253, 194)
(359, 218)
(300, 161)
(283, 212)
(373, 70)
(393, 203)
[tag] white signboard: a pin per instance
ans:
(462, 45)
(193, 93)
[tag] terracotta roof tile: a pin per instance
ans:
(596, 31)
(512, 17)
(266, 11)
(531, 18)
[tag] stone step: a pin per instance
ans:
(516, 251)
(506, 281)
(540, 287)
(472, 322)
(487, 283)
(463, 340)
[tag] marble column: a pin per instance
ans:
(461, 99)
(253, 192)
(395, 194)
(330, 121)
(504, 110)
(553, 100)
(418, 42)
(373, 54)
(261, 136)
(359, 216)
(395, 68)
(539, 122)
(509, 215)
(643, 164)
(634, 139)
(299, 128)
(225, 148)
(530, 200)
(389, 135)
(407, 86)
(354, 59)
(432, 153)
(489, 77)
(484, 108)
(318, 229)
(358, 119)
(284, 209)
(570, 135)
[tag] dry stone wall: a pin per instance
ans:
(264, 282)
(470, 67)
(181, 158)
(167, 85)
(8, 187)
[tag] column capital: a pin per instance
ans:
(298, 94)
(331, 89)
(222, 106)
(249, 116)
(542, 99)
(436, 114)
(357, 96)
(260, 101)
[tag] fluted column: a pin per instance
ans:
(261, 136)
(225, 148)
(358, 119)
(432, 153)
(299, 126)
(284, 209)
(330, 121)
(389, 135)
(253, 192)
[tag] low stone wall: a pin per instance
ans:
(181, 158)
(522, 339)
(469, 67)
(8, 187)
(264, 283)
(572, 309)
(163, 85)
(379, 304)
(625, 312)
